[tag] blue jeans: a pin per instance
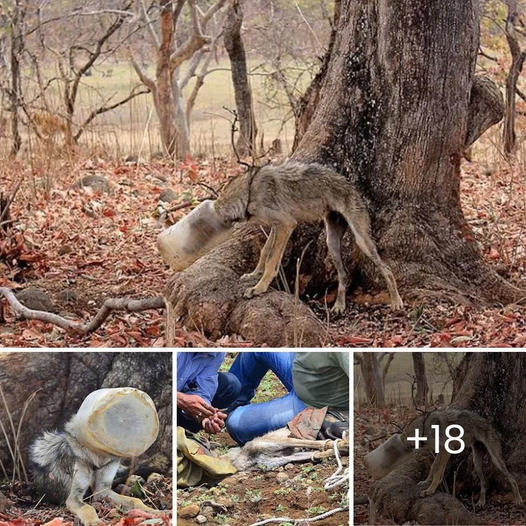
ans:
(249, 421)
(228, 388)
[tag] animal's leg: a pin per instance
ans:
(495, 451)
(335, 231)
(438, 472)
(477, 464)
(263, 256)
(103, 480)
(359, 222)
(283, 232)
(81, 481)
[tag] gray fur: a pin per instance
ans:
(281, 196)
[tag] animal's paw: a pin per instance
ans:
(427, 492)
(252, 292)
(88, 516)
(397, 303)
(481, 503)
(338, 308)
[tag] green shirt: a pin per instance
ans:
(322, 378)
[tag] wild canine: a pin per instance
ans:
(285, 195)
(64, 468)
(477, 432)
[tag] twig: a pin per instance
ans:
(109, 305)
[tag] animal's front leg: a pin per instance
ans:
(103, 480)
(283, 233)
(263, 256)
(82, 476)
(437, 470)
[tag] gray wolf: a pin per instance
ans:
(283, 196)
(64, 469)
(477, 432)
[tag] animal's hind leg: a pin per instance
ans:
(263, 256)
(495, 451)
(359, 222)
(283, 232)
(477, 464)
(335, 231)
(438, 469)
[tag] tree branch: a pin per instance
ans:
(109, 305)
(144, 78)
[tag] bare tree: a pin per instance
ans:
(374, 374)
(246, 143)
(421, 380)
(167, 86)
(514, 29)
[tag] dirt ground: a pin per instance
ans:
(24, 509)
(293, 491)
(83, 246)
(380, 422)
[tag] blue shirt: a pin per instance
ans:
(199, 368)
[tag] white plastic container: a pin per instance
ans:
(384, 458)
(192, 236)
(121, 421)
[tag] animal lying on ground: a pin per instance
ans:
(63, 470)
(477, 432)
(276, 449)
(283, 196)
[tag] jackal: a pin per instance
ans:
(477, 432)
(283, 196)
(63, 470)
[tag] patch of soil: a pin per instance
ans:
(293, 491)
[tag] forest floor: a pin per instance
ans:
(293, 491)
(82, 246)
(370, 423)
(23, 508)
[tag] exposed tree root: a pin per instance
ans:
(109, 305)
(397, 496)
(208, 296)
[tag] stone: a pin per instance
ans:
(36, 299)
(289, 466)
(282, 477)
(188, 512)
(96, 182)
(168, 195)
(68, 296)
(201, 519)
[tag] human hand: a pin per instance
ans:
(194, 406)
(215, 423)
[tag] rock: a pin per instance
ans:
(188, 512)
(282, 477)
(157, 156)
(168, 195)
(289, 466)
(201, 519)
(208, 512)
(131, 159)
(96, 182)
(67, 296)
(132, 479)
(36, 299)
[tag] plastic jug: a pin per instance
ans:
(192, 236)
(121, 421)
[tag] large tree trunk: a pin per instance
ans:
(17, 46)
(63, 380)
(373, 378)
(393, 111)
(492, 385)
(238, 62)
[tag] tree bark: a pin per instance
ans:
(63, 380)
(517, 62)
(17, 46)
(393, 111)
(421, 380)
(492, 385)
(246, 143)
(372, 376)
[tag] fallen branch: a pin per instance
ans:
(109, 305)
